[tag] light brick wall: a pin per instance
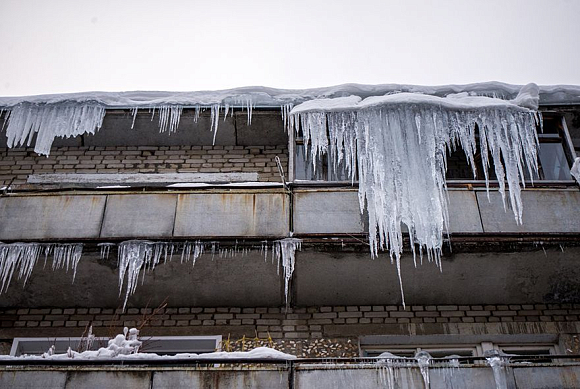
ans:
(310, 331)
(19, 163)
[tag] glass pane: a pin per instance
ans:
(553, 161)
(337, 171)
(303, 168)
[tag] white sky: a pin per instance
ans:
(54, 46)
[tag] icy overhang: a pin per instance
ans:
(39, 120)
(274, 97)
(396, 145)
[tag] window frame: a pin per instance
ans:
(186, 344)
(564, 138)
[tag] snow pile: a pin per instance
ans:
(127, 346)
(23, 256)
(397, 144)
(575, 171)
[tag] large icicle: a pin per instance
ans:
(133, 255)
(67, 255)
(23, 257)
(17, 255)
(49, 121)
(397, 143)
(285, 249)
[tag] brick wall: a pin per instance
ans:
(19, 163)
(311, 331)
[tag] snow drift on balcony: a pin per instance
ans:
(66, 115)
(398, 145)
(128, 346)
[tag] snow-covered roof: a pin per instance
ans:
(273, 97)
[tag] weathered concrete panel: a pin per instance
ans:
(335, 278)
(51, 217)
(108, 379)
(544, 211)
(338, 212)
(32, 379)
(116, 131)
(139, 216)
(331, 212)
(232, 214)
(370, 378)
(215, 280)
(266, 129)
(538, 377)
(463, 212)
(241, 379)
(461, 378)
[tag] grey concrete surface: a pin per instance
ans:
(232, 214)
(147, 215)
(304, 377)
(266, 129)
(369, 378)
(260, 212)
(51, 217)
(320, 278)
(241, 280)
(32, 379)
(543, 211)
(116, 131)
(139, 178)
(538, 377)
(249, 379)
(330, 212)
(325, 278)
(462, 378)
(463, 212)
(108, 379)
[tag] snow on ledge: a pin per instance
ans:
(127, 346)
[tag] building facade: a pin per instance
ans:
(214, 211)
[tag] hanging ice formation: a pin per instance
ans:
(285, 249)
(137, 255)
(397, 146)
(50, 121)
(69, 119)
(23, 256)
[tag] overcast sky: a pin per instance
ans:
(54, 46)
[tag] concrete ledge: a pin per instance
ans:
(232, 214)
(51, 217)
(147, 215)
(543, 211)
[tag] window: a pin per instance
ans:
(436, 351)
(326, 169)
(555, 156)
(162, 345)
(441, 346)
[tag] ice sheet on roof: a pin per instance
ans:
(73, 114)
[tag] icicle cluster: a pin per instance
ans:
(397, 145)
(23, 256)
(49, 121)
(65, 256)
(133, 255)
(137, 255)
(285, 249)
